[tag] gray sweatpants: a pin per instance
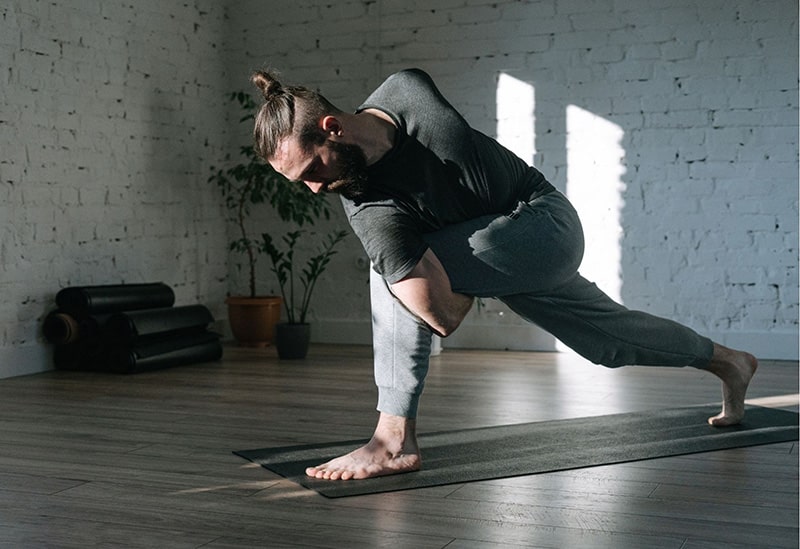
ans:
(527, 259)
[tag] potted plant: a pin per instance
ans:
(293, 336)
(247, 182)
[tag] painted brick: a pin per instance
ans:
(69, 99)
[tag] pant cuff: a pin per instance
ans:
(397, 403)
(704, 359)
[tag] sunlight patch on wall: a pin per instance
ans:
(495, 326)
(515, 116)
(595, 169)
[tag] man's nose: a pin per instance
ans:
(315, 187)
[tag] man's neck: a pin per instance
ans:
(376, 134)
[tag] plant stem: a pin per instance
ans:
(241, 214)
(291, 285)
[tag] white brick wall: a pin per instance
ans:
(111, 113)
(705, 92)
(105, 110)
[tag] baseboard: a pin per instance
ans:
(501, 338)
(22, 361)
(765, 345)
(33, 359)
(468, 336)
(346, 332)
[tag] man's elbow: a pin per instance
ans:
(452, 320)
(445, 329)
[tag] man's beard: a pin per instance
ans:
(352, 163)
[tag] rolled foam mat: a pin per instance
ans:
(86, 300)
(86, 355)
(61, 328)
(129, 326)
(165, 352)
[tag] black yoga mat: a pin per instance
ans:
(164, 352)
(454, 457)
(147, 355)
(79, 344)
(86, 300)
(83, 355)
(62, 328)
(128, 326)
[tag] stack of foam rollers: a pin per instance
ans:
(128, 328)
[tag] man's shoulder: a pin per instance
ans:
(409, 82)
(367, 206)
(414, 75)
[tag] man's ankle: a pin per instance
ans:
(396, 434)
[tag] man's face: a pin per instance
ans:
(333, 166)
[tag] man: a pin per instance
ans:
(447, 214)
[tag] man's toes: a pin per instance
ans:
(317, 472)
(722, 420)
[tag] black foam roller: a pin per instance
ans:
(61, 328)
(81, 355)
(128, 326)
(166, 352)
(86, 300)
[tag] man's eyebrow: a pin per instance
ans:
(307, 169)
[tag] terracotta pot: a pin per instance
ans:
(292, 340)
(253, 319)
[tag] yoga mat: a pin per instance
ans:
(83, 355)
(177, 350)
(78, 344)
(86, 300)
(128, 326)
(61, 328)
(455, 457)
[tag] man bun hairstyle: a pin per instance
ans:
(267, 83)
(287, 111)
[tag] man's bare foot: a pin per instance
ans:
(735, 369)
(393, 449)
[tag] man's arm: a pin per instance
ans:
(426, 292)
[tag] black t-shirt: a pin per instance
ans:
(439, 172)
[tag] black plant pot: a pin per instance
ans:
(292, 340)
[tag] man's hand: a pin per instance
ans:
(426, 292)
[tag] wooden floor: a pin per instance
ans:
(100, 460)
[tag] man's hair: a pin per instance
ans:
(287, 111)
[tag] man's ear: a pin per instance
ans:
(331, 125)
